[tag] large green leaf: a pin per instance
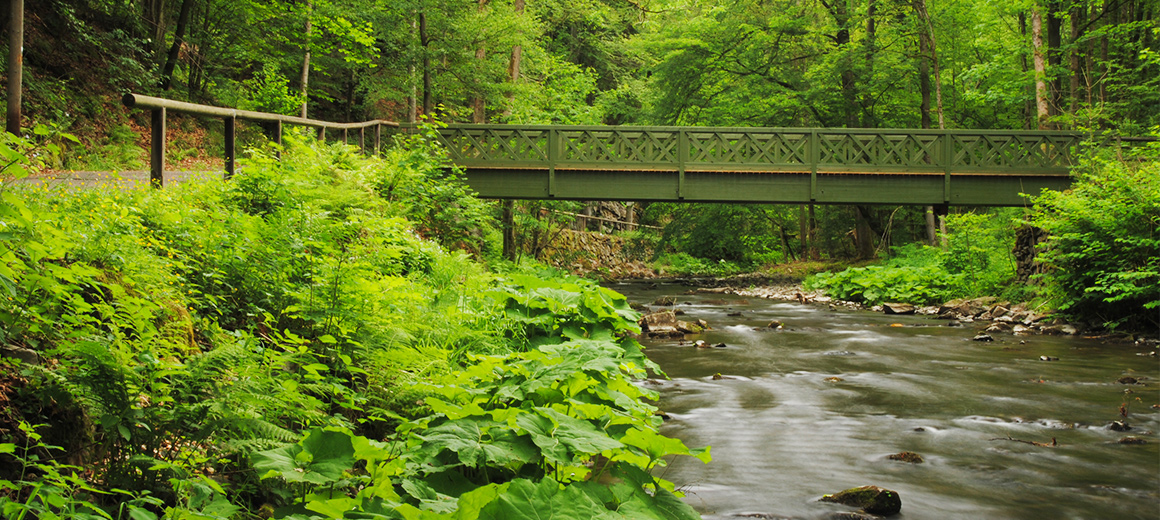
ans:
(320, 458)
(545, 500)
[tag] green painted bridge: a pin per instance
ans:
(762, 165)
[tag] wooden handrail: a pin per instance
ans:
(159, 107)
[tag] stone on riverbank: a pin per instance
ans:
(871, 499)
(897, 308)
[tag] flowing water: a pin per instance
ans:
(782, 435)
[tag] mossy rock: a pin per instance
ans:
(872, 499)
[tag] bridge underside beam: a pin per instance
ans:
(753, 187)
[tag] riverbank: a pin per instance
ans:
(991, 316)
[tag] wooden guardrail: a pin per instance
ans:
(272, 122)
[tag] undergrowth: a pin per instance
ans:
(313, 339)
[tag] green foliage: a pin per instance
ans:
(976, 262)
(207, 327)
(1104, 243)
(269, 91)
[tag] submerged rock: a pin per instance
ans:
(1132, 440)
(982, 337)
(908, 456)
(1119, 426)
(665, 301)
(1127, 380)
(871, 499)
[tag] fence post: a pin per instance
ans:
(362, 140)
(157, 148)
(322, 134)
(553, 153)
(275, 130)
(378, 137)
(230, 126)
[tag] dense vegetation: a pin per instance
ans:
(289, 345)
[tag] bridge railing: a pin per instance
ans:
(818, 150)
(272, 122)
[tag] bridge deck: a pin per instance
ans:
(775, 165)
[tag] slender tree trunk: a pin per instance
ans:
(413, 99)
(1076, 15)
(924, 81)
(815, 251)
(514, 63)
(928, 31)
(477, 108)
(15, 65)
(1029, 117)
(425, 42)
(803, 232)
(1054, 55)
(863, 237)
(304, 79)
(507, 221)
(871, 44)
(178, 40)
(155, 19)
(1042, 96)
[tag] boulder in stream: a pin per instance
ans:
(665, 301)
(661, 324)
(871, 499)
(897, 308)
(982, 337)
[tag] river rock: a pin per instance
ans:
(1119, 426)
(661, 324)
(982, 337)
(1048, 358)
(688, 328)
(907, 456)
(1132, 440)
(1064, 329)
(1127, 380)
(665, 301)
(775, 324)
(871, 499)
(998, 327)
(897, 308)
(736, 314)
(1020, 329)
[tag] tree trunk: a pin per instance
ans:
(514, 63)
(425, 42)
(931, 230)
(304, 79)
(863, 237)
(1054, 55)
(1029, 117)
(1042, 96)
(155, 19)
(924, 81)
(871, 45)
(477, 108)
(178, 40)
(507, 222)
(1076, 15)
(15, 66)
(928, 32)
(815, 252)
(803, 232)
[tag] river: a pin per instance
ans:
(783, 433)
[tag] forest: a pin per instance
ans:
(330, 335)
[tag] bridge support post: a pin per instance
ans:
(948, 158)
(230, 144)
(814, 154)
(157, 148)
(682, 159)
(553, 154)
(322, 133)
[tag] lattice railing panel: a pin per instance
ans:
(748, 148)
(619, 147)
(1013, 151)
(886, 150)
(496, 145)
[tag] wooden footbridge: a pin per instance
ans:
(762, 165)
(704, 164)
